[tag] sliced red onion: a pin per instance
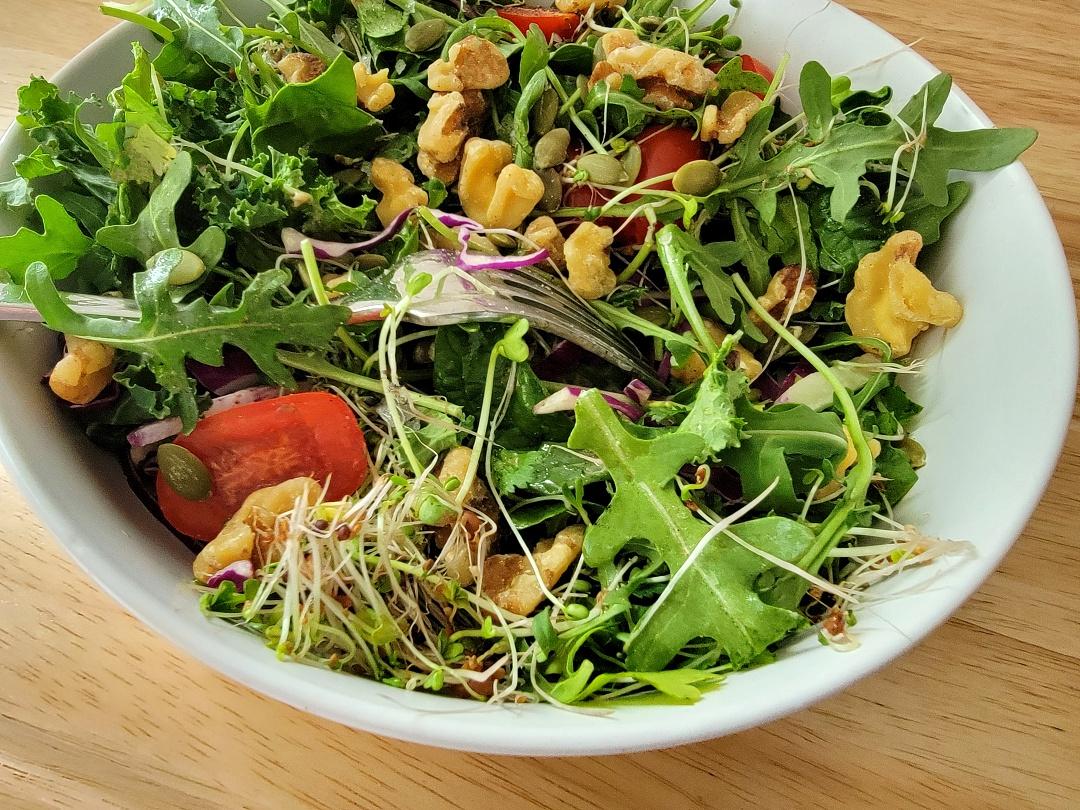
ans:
(663, 372)
(457, 221)
(237, 372)
(565, 399)
(816, 392)
(638, 391)
(476, 261)
(155, 432)
(237, 573)
(291, 239)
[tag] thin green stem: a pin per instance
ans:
(323, 368)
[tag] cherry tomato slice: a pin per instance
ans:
(262, 444)
(664, 149)
(551, 22)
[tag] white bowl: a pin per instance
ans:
(998, 394)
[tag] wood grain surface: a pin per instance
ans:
(96, 711)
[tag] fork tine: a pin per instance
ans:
(556, 310)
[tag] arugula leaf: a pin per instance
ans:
(321, 114)
(155, 228)
(552, 469)
(713, 597)
(732, 77)
(713, 416)
(927, 219)
(196, 24)
(895, 467)
(534, 55)
(776, 440)
(461, 359)
(815, 92)
(168, 333)
(843, 244)
(891, 410)
(378, 18)
(942, 150)
(60, 245)
(15, 193)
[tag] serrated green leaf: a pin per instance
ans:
(551, 469)
(815, 92)
(168, 333)
(927, 219)
(59, 246)
(321, 115)
(155, 228)
(773, 441)
(714, 597)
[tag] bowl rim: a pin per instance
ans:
(503, 738)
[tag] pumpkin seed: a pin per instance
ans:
(551, 149)
(553, 191)
(370, 261)
(184, 266)
(544, 112)
(698, 177)
(502, 240)
(914, 451)
(424, 35)
(631, 162)
(479, 243)
(598, 53)
(651, 23)
(603, 169)
(185, 474)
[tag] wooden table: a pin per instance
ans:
(95, 711)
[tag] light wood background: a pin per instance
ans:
(95, 711)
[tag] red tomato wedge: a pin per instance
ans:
(262, 444)
(551, 22)
(664, 149)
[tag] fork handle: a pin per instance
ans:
(105, 306)
(93, 305)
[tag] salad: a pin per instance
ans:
(485, 509)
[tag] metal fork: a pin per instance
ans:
(487, 295)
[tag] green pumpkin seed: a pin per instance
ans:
(698, 177)
(598, 53)
(551, 149)
(553, 191)
(544, 112)
(184, 266)
(603, 169)
(631, 162)
(370, 261)
(651, 23)
(424, 35)
(184, 473)
(502, 240)
(915, 453)
(479, 243)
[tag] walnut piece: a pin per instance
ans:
(472, 64)
(546, 235)
(83, 372)
(398, 188)
(782, 288)
(892, 299)
(509, 580)
(492, 189)
(250, 533)
(588, 261)
(674, 77)
(300, 67)
(694, 368)
(373, 90)
(582, 6)
(727, 123)
(451, 117)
